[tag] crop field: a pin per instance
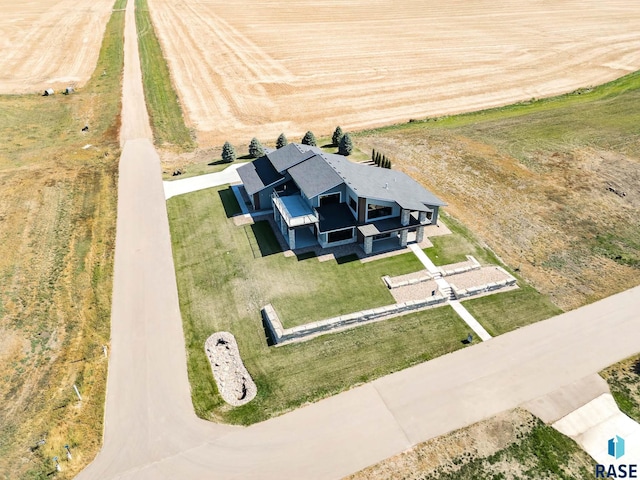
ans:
(255, 68)
(49, 44)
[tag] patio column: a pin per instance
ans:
(368, 245)
(404, 219)
(422, 217)
(419, 234)
(292, 238)
(403, 237)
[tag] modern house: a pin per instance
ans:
(325, 199)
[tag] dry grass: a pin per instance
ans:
(535, 187)
(57, 225)
(512, 445)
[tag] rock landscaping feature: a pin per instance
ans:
(233, 380)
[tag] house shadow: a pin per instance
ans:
(305, 255)
(636, 367)
(262, 240)
(229, 202)
(347, 259)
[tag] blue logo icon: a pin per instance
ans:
(616, 447)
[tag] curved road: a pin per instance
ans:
(151, 431)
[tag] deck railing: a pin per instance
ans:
(292, 220)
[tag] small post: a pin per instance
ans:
(77, 392)
(68, 452)
(469, 338)
(55, 459)
(104, 349)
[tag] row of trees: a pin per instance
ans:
(341, 140)
(380, 160)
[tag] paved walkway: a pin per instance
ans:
(593, 424)
(444, 287)
(200, 182)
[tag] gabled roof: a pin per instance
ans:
(286, 157)
(258, 174)
(383, 184)
(314, 176)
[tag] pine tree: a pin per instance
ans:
(228, 153)
(309, 139)
(373, 155)
(378, 159)
(255, 148)
(281, 141)
(337, 136)
(346, 145)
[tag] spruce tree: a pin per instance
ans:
(309, 139)
(281, 141)
(228, 153)
(373, 155)
(255, 148)
(346, 145)
(337, 136)
(378, 159)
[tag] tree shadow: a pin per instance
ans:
(229, 202)
(219, 162)
(246, 157)
(635, 368)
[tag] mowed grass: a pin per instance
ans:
(165, 111)
(57, 229)
(227, 273)
(503, 311)
(624, 381)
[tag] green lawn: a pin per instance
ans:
(227, 273)
(162, 101)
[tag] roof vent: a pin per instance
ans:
(386, 186)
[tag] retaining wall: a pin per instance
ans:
(304, 332)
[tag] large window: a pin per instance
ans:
(329, 199)
(339, 235)
(377, 211)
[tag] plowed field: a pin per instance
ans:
(49, 44)
(258, 67)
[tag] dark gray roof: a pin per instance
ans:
(383, 184)
(286, 157)
(314, 176)
(258, 174)
(335, 216)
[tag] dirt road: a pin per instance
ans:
(254, 68)
(49, 44)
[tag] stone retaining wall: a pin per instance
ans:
(489, 287)
(391, 284)
(475, 265)
(281, 335)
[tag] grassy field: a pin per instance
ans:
(624, 381)
(165, 112)
(550, 185)
(227, 273)
(57, 225)
(511, 446)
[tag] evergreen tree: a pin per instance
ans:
(373, 155)
(337, 136)
(387, 163)
(346, 145)
(255, 148)
(309, 139)
(281, 141)
(378, 159)
(228, 153)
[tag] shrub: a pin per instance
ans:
(281, 141)
(228, 153)
(309, 139)
(337, 136)
(346, 145)
(255, 148)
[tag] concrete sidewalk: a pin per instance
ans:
(200, 182)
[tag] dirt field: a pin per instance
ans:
(49, 44)
(256, 68)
